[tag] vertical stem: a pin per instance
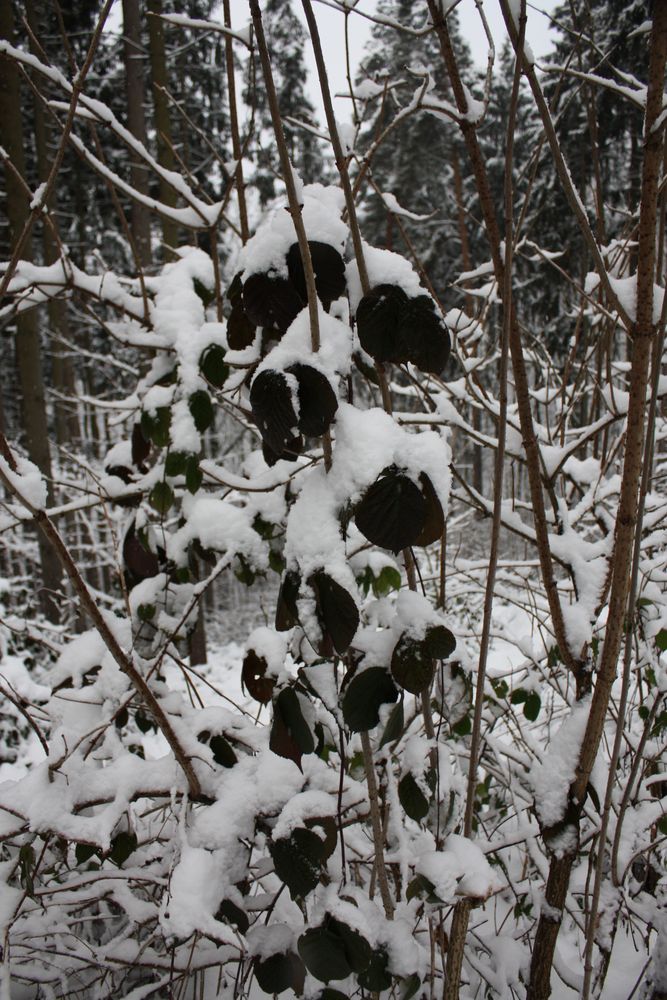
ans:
(643, 335)
(341, 163)
(234, 123)
(376, 823)
(459, 927)
(288, 176)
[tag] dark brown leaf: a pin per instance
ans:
(337, 613)
(273, 409)
(329, 269)
(377, 322)
(434, 522)
(253, 675)
(317, 400)
(271, 301)
(392, 511)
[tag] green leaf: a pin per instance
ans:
(193, 474)
(279, 973)
(410, 986)
(411, 797)
(201, 408)
(500, 687)
(376, 977)
(531, 706)
(146, 612)
(463, 727)
(387, 580)
(395, 725)
(205, 294)
(243, 571)
(155, 426)
(84, 852)
(330, 994)
(422, 888)
(161, 497)
(174, 464)
(277, 561)
(122, 846)
(213, 366)
(323, 954)
(364, 695)
(661, 639)
(439, 642)
(518, 696)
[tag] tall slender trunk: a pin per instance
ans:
(28, 352)
(136, 121)
(66, 424)
(165, 154)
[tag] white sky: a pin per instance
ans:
(333, 44)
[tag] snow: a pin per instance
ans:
(196, 889)
(384, 267)
(460, 869)
(333, 357)
(368, 441)
(26, 480)
(392, 204)
(266, 251)
(219, 525)
(552, 776)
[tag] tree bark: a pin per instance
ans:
(165, 152)
(136, 121)
(28, 351)
(66, 423)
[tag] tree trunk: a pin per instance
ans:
(66, 424)
(136, 121)
(28, 356)
(165, 154)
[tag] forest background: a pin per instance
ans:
(332, 534)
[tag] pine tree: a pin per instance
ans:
(600, 137)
